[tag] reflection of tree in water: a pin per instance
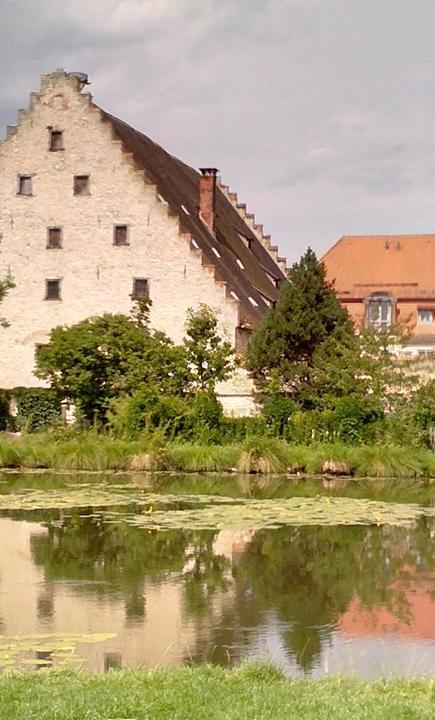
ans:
(115, 560)
(305, 577)
(310, 574)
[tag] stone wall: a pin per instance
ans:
(96, 276)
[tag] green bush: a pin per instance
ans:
(37, 408)
(354, 420)
(4, 411)
(351, 421)
(309, 426)
(238, 429)
(277, 411)
(422, 410)
(130, 415)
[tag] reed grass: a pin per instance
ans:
(203, 458)
(91, 451)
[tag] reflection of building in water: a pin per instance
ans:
(417, 623)
(220, 597)
(232, 543)
(159, 638)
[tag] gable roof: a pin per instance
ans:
(403, 265)
(178, 184)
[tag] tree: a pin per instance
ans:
(364, 367)
(100, 358)
(209, 357)
(307, 314)
(5, 285)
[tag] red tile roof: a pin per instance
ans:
(403, 265)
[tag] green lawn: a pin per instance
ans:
(253, 692)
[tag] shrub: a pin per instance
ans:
(130, 415)
(353, 419)
(308, 427)
(4, 411)
(422, 411)
(237, 429)
(37, 408)
(277, 411)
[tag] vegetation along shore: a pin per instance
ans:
(93, 451)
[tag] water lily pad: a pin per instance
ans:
(60, 648)
(258, 514)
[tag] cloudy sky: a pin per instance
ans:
(319, 113)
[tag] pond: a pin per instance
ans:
(319, 576)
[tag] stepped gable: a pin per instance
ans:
(178, 184)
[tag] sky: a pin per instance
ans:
(318, 113)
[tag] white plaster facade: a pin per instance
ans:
(96, 275)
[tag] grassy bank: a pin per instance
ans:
(98, 452)
(253, 692)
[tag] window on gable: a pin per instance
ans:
(56, 140)
(54, 238)
(425, 316)
(141, 290)
(52, 289)
(24, 185)
(81, 185)
(379, 311)
(120, 235)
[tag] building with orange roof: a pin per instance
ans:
(387, 279)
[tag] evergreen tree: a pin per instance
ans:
(306, 315)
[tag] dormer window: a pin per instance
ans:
(24, 185)
(56, 140)
(380, 308)
(247, 241)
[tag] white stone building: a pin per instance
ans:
(92, 211)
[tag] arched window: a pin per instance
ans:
(380, 310)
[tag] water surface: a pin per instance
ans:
(355, 599)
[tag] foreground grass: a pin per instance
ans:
(99, 452)
(254, 692)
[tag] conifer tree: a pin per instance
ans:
(307, 313)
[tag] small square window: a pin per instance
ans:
(81, 185)
(56, 140)
(425, 316)
(141, 290)
(52, 289)
(54, 238)
(25, 185)
(120, 235)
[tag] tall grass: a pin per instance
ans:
(203, 458)
(268, 456)
(90, 451)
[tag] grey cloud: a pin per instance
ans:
(319, 113)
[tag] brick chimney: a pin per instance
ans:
(207, 196)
